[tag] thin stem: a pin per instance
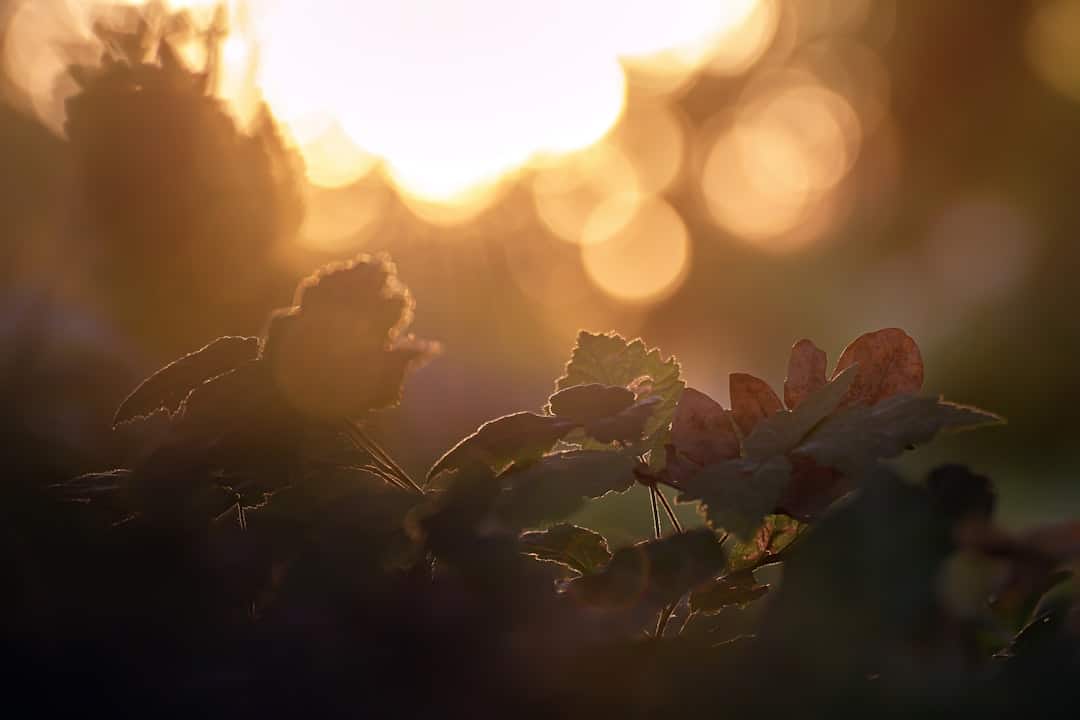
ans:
(670, 512)
(657, 531)
(381, 456)
(665, 617)
(686, 623)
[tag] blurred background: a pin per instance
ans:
(721, 178)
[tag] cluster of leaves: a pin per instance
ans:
(184, 204)
(257, 453)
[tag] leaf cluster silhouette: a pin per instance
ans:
(265, 555)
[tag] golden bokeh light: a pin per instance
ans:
(741, 44)
(568, 193)
(771, 169)
(645, 260)
(333, 160)
(450, 96)
(1052, 42)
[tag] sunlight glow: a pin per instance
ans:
(450, 96)
(643, 261)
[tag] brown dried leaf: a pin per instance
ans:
(702, 429)
(806, 372)
(889, 363)
(752, 400)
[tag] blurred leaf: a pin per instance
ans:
(517, 438)
(806, 372)
(593, 401)
(609, 359)
(652, 573)
(752, 400)
(736, 495)
(770, 540)
(960, 493)
(889, 364)
(863, 434)
(557, 485)
(783, 430)
(579, 548)
(735, 589)
(167, 388)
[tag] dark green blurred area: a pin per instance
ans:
(208, 218)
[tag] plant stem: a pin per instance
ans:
(657, 531)
(670, 512)
(665, 617)
(381, 456)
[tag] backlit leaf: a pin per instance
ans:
(593, 401)
(771, 539)
(806, 372)
(736, 495)
(752, 400)
(889, 364)
(609, 359)
(863, 434)
(557, 485)
(167, 388)
(652, 573)
(579, 548)
(702, 429)
(784, 430)
(516, 438)
(733, 590)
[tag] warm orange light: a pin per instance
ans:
(451, 96)
(643, 261)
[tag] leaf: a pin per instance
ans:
(770, 540)
(752, 400)
(586, 403)
(863, 434)
(736, 495)
(813, 488)
(960, 493)
(609, 359)
(167, 388)
(784, 430)
(702, 429)
(889, 364)
(806, 372)
(626, 427)
(652, 573)
(579, 548)
(516, 438)
(557, 485)
(448, 519)
(736, 589)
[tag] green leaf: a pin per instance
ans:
(594, 401)
(652, 573)
(771, 539)
(167, 388)
(736, 495)
(576, 547)
(864, 434)
(782, 431)
(557, 485)
(609, 359)
(517, 438)
(737, 589)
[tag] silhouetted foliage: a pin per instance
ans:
(264, 554)
(184, 207)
